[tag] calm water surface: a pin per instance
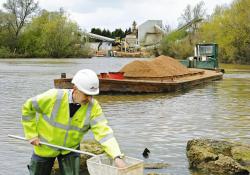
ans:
(161, 122)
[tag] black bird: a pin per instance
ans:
(146, 153)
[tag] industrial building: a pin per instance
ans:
(150, 32)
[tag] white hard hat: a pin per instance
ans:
(86, 81)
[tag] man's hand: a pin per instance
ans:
(120, 163)
(35, 141)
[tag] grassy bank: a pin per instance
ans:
(242, 67)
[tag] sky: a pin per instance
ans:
(112, 14)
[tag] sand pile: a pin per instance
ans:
(159, 67)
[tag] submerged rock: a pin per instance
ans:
(156, 174)
(155, 165)
(219, 157)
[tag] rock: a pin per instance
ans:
(155, 174)
(242, 155)
(218, 157)
(92, 147)
(88, 146)
(155, 165)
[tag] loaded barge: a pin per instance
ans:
(162, 74)
(111, 85)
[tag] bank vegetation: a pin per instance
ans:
(27, 31)
(228, 26)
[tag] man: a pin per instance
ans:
(64, 118)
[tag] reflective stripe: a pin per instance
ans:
(67, 132)
(88, 113)
(65, 127)
(107, 137)
(57, 104)
(97, 120)
(35, 105)
(86, 122)
(71, 127)
(55, 124)
(51, 120)
(84, 128)
(26, 118)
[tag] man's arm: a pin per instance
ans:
(29, 120)
(30, 108)
(104, 134)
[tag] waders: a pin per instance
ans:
(69, 164)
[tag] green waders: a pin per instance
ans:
(69, 164)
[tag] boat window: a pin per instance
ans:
(206, 50)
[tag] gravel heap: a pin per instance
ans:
(162, 66)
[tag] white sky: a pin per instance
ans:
(111, 14)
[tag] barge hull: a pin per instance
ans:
(146, 86)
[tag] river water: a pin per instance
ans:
(163, 123)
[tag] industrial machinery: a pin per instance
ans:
(205, 57)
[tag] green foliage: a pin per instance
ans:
(229, 27)
(114, 34)
(175, 36)
(52, 34)
(6, 34)
(176, 44)
(180, 49)
(97, 31)
(49, 34)
(19, 11)
(5, 52)
(179, 43)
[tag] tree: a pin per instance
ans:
(179, 43)
(97, 31)
(118, 33)
(51, 34)
(4, 27)
(4, 36)
(21, 11)
(127, 31)
(167, 28)
(108, 34)
(230, 28)
(197, 12)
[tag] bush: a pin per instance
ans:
(5, 52)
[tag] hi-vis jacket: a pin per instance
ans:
(54, 125)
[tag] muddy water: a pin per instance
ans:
(161, 122)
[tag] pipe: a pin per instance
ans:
(54, 146)
(103, 38)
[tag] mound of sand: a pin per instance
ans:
(162, 66)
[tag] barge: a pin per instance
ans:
(161, 74)
(128, 85)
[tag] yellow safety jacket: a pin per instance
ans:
(54, 125)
